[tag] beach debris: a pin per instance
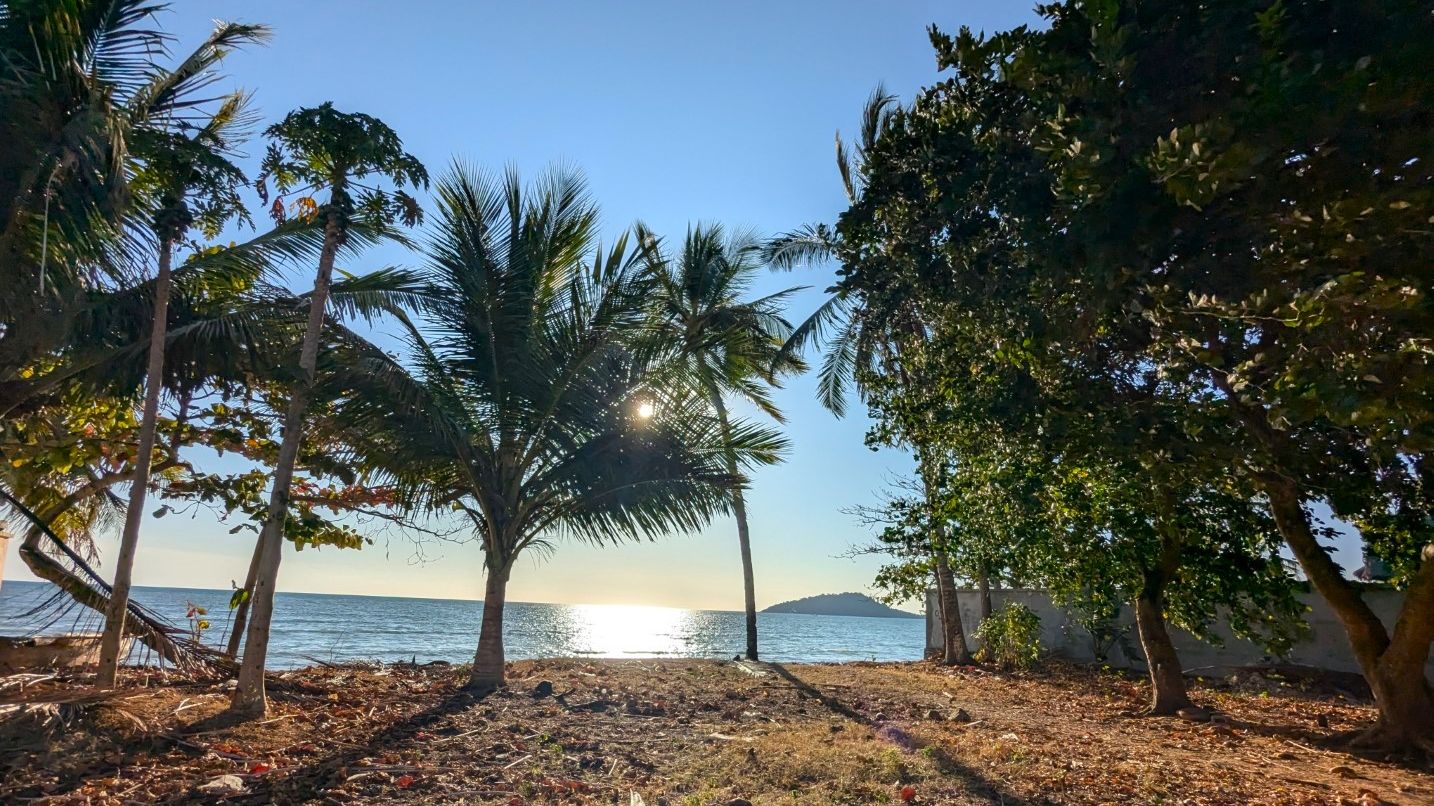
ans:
(224, 786)
(543, 689)
(896, 736)
(752, 667)
(390, 737)
(1194, 713)
(635, 799)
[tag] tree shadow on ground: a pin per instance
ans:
(311, 780)
(978, 785)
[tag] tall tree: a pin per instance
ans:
(856, 342)
(1230, 198)
(724, 345)
(187, 175)
(315, 150)
(535, 403)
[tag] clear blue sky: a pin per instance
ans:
(677, 112)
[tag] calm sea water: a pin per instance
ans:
(309, 626)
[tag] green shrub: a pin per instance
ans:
(1011, 637)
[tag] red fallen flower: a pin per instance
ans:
(404, 781)
(908, 794)
(259, 768)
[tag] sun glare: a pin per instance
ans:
(630, 630)
(645, 410)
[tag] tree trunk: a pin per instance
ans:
(1167, 676)
(4, 551)
(249, 698)
(744, 537)
(749, 586)
(113, 637)
(1392, 665)
(983, 584)
(953, 635)
(1167, 679)
(241, 613)
(487, 673)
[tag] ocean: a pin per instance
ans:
(310, 627)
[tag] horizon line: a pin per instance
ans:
(3, 581)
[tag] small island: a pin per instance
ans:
(840, 604)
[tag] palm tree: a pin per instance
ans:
(532, 404)
(858, 342)
(316, 149)
(78, 80)
(186, 171)
(723, 344)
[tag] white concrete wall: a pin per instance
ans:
(1324, 645)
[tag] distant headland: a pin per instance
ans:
(840, 604)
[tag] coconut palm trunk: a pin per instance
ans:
(249, 697)
(113, 638)
(744, 535)
(488, 661)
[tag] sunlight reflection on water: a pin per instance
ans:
(310, 626)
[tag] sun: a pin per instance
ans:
(645, 410)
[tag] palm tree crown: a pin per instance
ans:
(722, 344)
(522, 405)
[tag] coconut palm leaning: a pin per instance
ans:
(723, 344)
(534, 404)
(844, 327)
(313, 150)
(185, 172)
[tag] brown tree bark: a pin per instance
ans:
(1393, 665)
(1167, 678)
(249, 700)
(118, 607)
(488, 661)
(955, 652)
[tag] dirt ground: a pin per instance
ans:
(695, 732)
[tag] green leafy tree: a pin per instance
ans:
(1253, 229)
(534, 405)
(1228, 200)
(315, 150)
(723, 345)
(956, 213)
